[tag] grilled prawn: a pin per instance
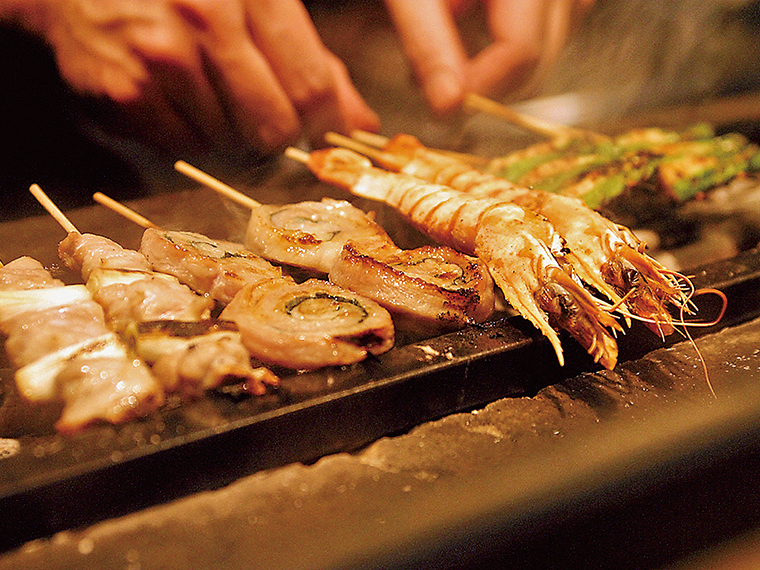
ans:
(523, 266)
(605, 255)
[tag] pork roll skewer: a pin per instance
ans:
(435, 287)
(302, 326)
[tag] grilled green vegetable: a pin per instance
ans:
(678, 165)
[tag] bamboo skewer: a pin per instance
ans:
(297, 154)
(474, 102)
(370, 139)
(52, 209)
(357, 144)
(123, 210)
(374, 141)
(215, 184)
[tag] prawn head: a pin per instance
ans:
(569, 307)
(646, 287)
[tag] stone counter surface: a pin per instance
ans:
(532, 478)
(627, 469)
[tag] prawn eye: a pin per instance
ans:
(631, 277)
(557, 302)
(621, 274)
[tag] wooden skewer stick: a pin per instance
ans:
(474, 102)
(52, 209)
(297, 154)
(354, 144)
(371, 139)
(215, 184)
(123, 210)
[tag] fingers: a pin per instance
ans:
(517, 33)
(315, 82)
(528, 36)
(431, 41)
(230, 75)
(180, 93)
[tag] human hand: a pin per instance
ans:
(192, 76)
(527, 36)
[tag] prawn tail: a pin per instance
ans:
(338, 166)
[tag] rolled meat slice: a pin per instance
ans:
(439, 288)
(309, 235)
(210, 267)
(309, 325)
(430, 289)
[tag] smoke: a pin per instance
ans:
(644, 53)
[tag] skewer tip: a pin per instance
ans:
(123, 210)
(52, 209)
(214, 184)
(297, 154)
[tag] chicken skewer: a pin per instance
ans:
(70, 367)
(607, 256)
(168, 324)
(435, 286)
(303, 326)
(66, 358)
(523, 267)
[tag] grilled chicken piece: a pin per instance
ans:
(133, 296)
(210, 267)
(64, 352)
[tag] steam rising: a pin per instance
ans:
(640, 53)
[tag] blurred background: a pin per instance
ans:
(630, 56)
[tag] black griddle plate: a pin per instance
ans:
(60, 482)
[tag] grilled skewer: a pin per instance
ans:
(432, 287)
(302, 326)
